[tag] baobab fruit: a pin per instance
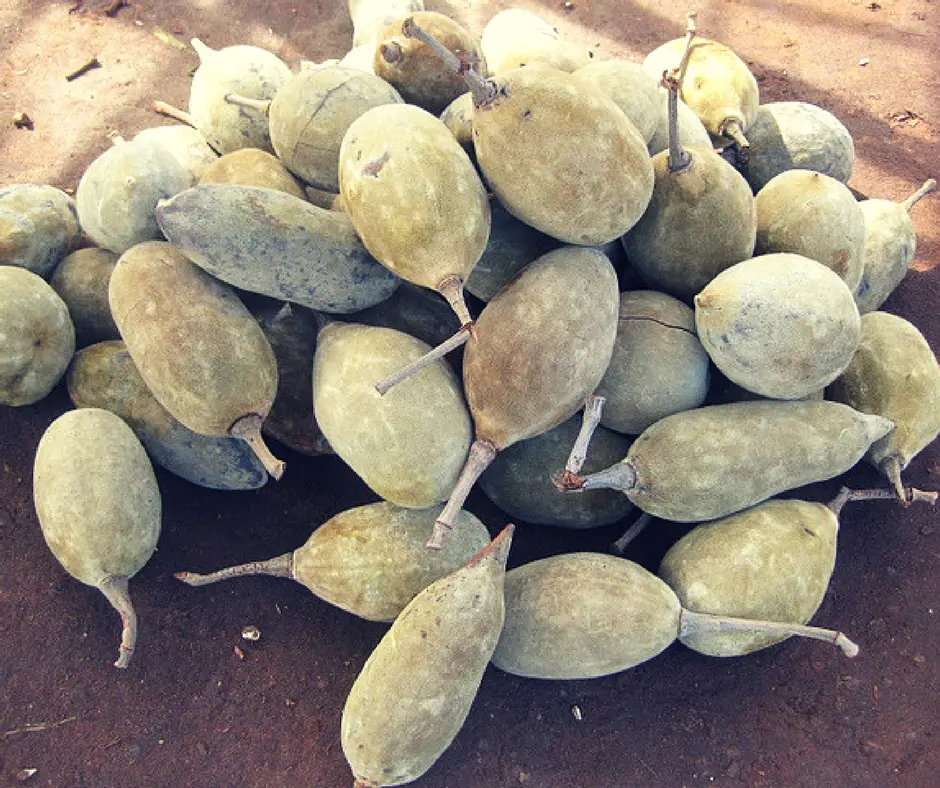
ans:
(630, 87)
(889, 246)
(117, 195)
(422, 313)
(780, 325)
(414, 692)
(585, 615)
(458, 117)
(38, 227)
(99, 506)
(795, 135)
(713, 461)
(38, 336)
(369, 560)
(371, 17)
(658, 366)
(408, 446)
(692, 134)
(415, 71)
(104, 376)
(196, 346)
(514, 38)
(253, 167)
(894, 373)
(185, 144)
(81, 280)
(811, 214)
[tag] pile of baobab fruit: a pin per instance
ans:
(293, 262)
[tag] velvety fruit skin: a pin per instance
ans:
(38, 226)
(894, 374)
(96, 496)
(415, 690)
(780, 325)
(36, 336)
(795, 135)
(887, 252)
(541, 345)
(409, 444)
(630, 88)
(268, 242)
(514, 38)
(252, 167)
(771, 562)
(519, 479)
(811, 214)
(81, 280)
(198, 349)
(183, 143)
(584, 615)
(658, 366)
(104, 376)
(413, 195)
(311, 113)
(711, 462)
(700, 221)
(458, 117)
(561, 158)
(372, 560)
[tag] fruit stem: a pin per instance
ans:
(632, 533)
(248, 428)
(202, 50)
(907, 496)
(458, 339)
(482, 453)
(679, 159)
(619, 476)
(264, 107)
(922, 192)
(451, 287)
(279, 566)
(116, 591)
(162, 108)
(691, 623)
(483, 90)
(690, 31)
(731, 128)
(593, 408)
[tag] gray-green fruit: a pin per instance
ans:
(780, 325)
(36, 335)
(118, 193)
(196, 346)
(894, 374)
(249, 71)
(81, 280)
(253, 167)
(104, 376)
(630, 87)
(408, 445)
(38, 226)
(714, 461)
(458, 117)
(658, 366)
(888, 249)
(98, 504)
(370, 560)
(268, 242)
(414, 692)
(514, 38)
(185, 144)
(519, 480)
(811, 214)
(795, 135)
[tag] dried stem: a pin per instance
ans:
(593, 408)
(482, 453)
(906, 495)
(83, 69)
(922, 192)
(202, 50)
(687, 52)
(458, 339)
(679, 159)
(451, 287)
(116, 591)
(170, 111)
(279, 566)
(731, 128)
(691, 623)
(619, 476)
(264, 107)
(248, 428)
(632, 533)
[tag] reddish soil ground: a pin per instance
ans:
(201, 707)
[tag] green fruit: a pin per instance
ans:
(38, 226)
(252, 167)
(81, 280)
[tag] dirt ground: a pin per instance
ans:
(202, 707)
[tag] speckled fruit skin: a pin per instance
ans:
(771, 562)
(893, 374)
(81, 280)
(96, 496)
(38, 226)
(253, 167)
(714, 461)
(630, 88)
(584, 615)
(561, 158)
(780, 325)
(414, 692)
(887, 252)
(197, 347)
(413, 195)
(795, 135)
(407, 445)
(36, 336)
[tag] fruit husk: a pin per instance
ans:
(38, 227)
(252, 167)
(81, 280)
(630, 88)
(516, 38)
